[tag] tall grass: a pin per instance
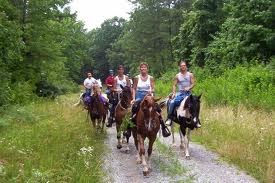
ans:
(49, 142)
(243, 137)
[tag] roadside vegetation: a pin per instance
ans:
(49, 141)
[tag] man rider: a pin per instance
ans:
(185, 81)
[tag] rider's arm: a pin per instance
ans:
(134, 88)
(128, 81)
(175, 82)
(193, 82)
(114, 85)
(152, 81)
(85, 83)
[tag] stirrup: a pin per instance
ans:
(165, 132)
(198, 125)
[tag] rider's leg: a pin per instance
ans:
(164, 129)
(170, 112)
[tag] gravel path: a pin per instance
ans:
(203, 167)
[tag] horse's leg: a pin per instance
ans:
(182, 132)
(103, 122)
(127, 136)
(142, 155)
(173, 134)
(150, 149)
(118, 123)
(138, 149)
(187, 138)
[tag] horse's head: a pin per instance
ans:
(149, 108)
(126, 93)
(192, 104)
(96, 90)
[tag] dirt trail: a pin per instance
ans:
(203, 167)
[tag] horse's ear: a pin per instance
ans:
(199, 97)
(157, 99)
(121, 87)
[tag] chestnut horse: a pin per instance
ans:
(98, 108)
(147, 126)
(120, 112)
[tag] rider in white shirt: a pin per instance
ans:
(89, 82)
(119, 80)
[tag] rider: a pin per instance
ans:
(88, 83)
(185, 81)
(119, 80)
(144, 84)
(109, 82)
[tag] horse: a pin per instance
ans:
(98, 108)
(187, 116)
(120, 112)
(147, 126)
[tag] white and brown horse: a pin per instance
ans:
(147, 126)
(187, 116)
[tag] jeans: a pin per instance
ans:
(140, 95)
(177, 100)
(88, 92)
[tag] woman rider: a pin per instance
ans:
(144, 84)
(119, 80)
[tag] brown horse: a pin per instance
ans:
(147, 126)
(120, 112)
(98, 108)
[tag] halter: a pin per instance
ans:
(122, 106)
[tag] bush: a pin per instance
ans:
(252, 87)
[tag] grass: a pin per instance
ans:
(49, 141)
(243, 137)
(168, 161)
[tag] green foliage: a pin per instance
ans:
(47, 141)
(253, 87)
(39, 38)
(246, 35)
(101, 40)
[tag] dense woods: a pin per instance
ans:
(45, 51)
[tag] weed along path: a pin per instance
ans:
(168, 164)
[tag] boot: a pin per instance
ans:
(109, 123)
(165, 131)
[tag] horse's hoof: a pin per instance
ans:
(119, 146)
(124, 141)
(145, 173)
(187, 157)
(138, 161)
(174, 145)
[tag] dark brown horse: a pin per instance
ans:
(120, 112)
(98, 109)
(147, 126)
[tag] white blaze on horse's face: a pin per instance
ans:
(150, 118)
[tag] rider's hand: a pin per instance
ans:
(187, 89)
(173, 95)
(133, 101)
